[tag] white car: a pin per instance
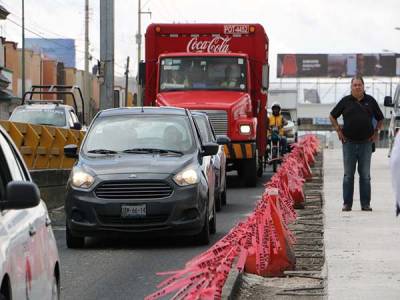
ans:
(46, 113)
(29, 261)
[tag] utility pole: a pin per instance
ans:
(126, 81)
(107, 53)
(23, 51)
(86, 83)
(139, 43)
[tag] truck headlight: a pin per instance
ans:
(245, 129)
(81, 179)
(186, 177)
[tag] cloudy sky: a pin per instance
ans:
(293, 26)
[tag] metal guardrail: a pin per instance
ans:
(42, 147)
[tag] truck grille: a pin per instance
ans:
(133, 190)
(218, 119)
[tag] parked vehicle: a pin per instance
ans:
(394, 124)
(220, 69)
(141, 172)
(219, 160)
(291, 128)
(29, 262)
(50, 112)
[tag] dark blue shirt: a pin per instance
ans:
(358, 116)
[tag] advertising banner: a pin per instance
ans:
(338, 65)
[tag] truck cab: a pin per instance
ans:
(221, 70)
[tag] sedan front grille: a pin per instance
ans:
(218, 119)
(133, 190)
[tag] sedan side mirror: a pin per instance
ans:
(388, 101)
(223, 140)
(210, 149)
(20, 195)
(71, 151)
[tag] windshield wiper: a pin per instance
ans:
(102, 151)
(151, 150)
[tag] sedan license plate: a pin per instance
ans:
(133, 211)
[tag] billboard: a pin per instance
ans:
(62, 50)
(338, 65)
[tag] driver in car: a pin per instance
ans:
(278, 121)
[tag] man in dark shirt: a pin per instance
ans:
(357, 136)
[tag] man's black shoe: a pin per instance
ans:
(346, 208)
(366, 208)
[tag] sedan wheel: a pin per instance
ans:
(74, 242)
(55, 289)
(213, 222)
(204, 236)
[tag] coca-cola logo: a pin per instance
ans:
(217, 44)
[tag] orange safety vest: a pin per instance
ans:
(276, 121)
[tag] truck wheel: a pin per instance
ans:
(249, 176)
(260, 167)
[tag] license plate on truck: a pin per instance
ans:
(133, 211)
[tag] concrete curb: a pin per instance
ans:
(232, 285)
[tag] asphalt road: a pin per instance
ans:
(126, 269)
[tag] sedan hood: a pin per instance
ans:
(135, 163)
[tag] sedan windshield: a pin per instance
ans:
(140, 134)
(202, 73)
(53, 117)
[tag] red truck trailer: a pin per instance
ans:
(219, 69)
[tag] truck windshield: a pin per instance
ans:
(203, 73)
(44, 116)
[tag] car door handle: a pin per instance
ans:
(32, 230)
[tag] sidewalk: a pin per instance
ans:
(362, 248)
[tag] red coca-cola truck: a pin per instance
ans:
(219, 69)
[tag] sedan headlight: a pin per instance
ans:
(245, 129)
(81, 179)
(186, 177)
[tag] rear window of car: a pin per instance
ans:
(43, 116)
(119, 133)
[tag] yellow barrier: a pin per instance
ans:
(42, 147)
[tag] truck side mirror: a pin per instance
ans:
(265, 77)
(388, 101)
(142, 73)
(77, 126)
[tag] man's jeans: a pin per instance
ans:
(354, 154)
